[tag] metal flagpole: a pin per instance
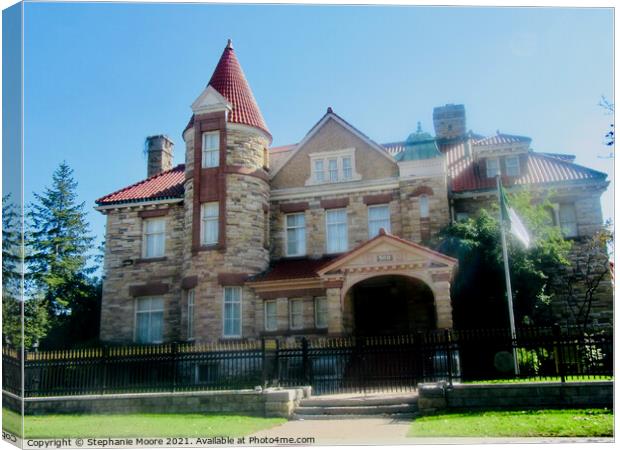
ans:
(511, 314)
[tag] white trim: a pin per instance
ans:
(305, 249)
(319, 125)
(329, 212)
(232, 336)
(145, 221)
(210, 100)
(499, 167)
(334, 189)
(333, 155)
(135, 317)
(389, 218)
(138, 204)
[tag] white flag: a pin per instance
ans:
(514, 221)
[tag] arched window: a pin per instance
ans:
(424, 206)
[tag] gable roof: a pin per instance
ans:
(331, 115)
(163, 186)
(293, 269)
(229, 80)
(502, 138)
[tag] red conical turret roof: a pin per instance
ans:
(228, 79)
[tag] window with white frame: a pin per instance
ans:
(333, 167)
(337, 235)
(513, 168)
(190, 313)
(492, 167)
(295, 234)
(149, 320)
(347, 171)
(210, 223)
(271, 315)
(232, 311)
(211, 149)
(320, 312)
(568, 220)
(319, 170)
(378, 217)
(424, 209)
(296, 314)
(154, 238)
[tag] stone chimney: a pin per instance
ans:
(160, 151)
(449, 121)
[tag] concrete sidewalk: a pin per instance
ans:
(381, 432)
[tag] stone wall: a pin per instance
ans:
(440, 397)
(125, 268)
(267, 403)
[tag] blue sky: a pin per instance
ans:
(101, 77)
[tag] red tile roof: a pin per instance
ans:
(293, 269)
(541, 168)
(501, 138)
(229, 80)
(165, 185)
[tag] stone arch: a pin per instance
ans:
(422, 190)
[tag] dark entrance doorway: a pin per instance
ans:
(391, 305)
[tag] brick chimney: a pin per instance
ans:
(449, 121)
(160, 151)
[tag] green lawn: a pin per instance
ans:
(544, 423)
(546, 380)
(136, 425)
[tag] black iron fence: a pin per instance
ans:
(329, 365)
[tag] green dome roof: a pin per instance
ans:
(419, 145)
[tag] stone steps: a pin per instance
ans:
(353, 407)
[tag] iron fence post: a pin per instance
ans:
(449, 355)
(103, 362)
(173, 364)
(557, 334)
(22, 358)
(304, 360)
(264, 362)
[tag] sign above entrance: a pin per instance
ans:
(385, 258)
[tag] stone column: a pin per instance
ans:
(443, 304)
(334, 309)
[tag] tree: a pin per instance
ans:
(34, 311)
(610, 137)
(60, 242)
(479, 289)
(585, 278)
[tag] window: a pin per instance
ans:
(154, 240)
(149, 320)
(296, 314)
(568, 220)
(271, 315)
(347, 172)
(295, 234)
(424, 211)
(190, 314)
(211, 149)
(232, 311)
(336, 224)
(512, 166)
(378, 217)
(492, 167)
(210, 223)
(320, 312)
(333, 169)
(319, 171)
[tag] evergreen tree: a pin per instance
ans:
(60, 242)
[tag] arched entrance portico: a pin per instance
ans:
(390, 305)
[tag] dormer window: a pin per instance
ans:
(512, 166)
(211, 149)
(333, 167)
(492, 167)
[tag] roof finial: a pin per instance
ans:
(330, 110)
(229, 44)
(419, 130)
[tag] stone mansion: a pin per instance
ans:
(244, 240)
